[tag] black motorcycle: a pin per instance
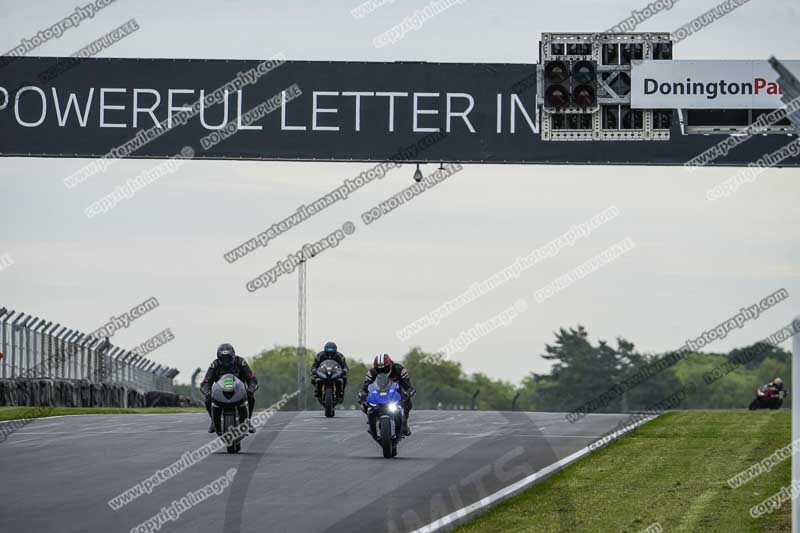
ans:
(229, 408)
(330, 385)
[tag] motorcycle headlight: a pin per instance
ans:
(392, 407)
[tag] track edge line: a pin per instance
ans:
(471, 511)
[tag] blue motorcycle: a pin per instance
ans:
(384, 408)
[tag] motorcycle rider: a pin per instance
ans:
(383, 364)
(777, 384)
(329, 351)
(227, 362)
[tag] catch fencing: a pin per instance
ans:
(34, 348)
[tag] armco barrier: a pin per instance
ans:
(62, 393)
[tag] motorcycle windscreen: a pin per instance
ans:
(382, 382)
(378, 390)
(228, 390)
(330, 368)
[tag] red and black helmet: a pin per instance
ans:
(382, 363)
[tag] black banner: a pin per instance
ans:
(306, 110)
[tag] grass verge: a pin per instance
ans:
(15, 413)
(671, 471)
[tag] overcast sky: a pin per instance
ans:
(695, 263)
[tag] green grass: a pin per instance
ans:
(672, 471)
(14, 413)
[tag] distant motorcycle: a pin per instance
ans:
(767, 398)
(329, 385)
(384, 409)
(229, 407)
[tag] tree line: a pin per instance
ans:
(580, 371)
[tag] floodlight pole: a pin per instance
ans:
(301, 335)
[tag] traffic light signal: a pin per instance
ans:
(556, 84)
(570, 83)
(584, 80)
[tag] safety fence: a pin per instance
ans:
(35, 349)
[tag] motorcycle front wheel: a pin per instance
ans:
(386, 437)
(328, 402)
(229, 421)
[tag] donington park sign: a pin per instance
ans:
(707, 84)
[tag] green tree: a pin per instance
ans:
(277, 375)
(439, 382)
(580, 371)
(495, 395)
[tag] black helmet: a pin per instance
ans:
(225, 353)
(330, 348)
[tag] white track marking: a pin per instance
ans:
(515, 488)
(17, 442)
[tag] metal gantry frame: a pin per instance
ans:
(34, 348)
(606, 73)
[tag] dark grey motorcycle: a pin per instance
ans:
(229, 408)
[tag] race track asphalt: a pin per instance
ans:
(300, 473)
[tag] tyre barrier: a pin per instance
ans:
(160, 399)
(81, 393)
